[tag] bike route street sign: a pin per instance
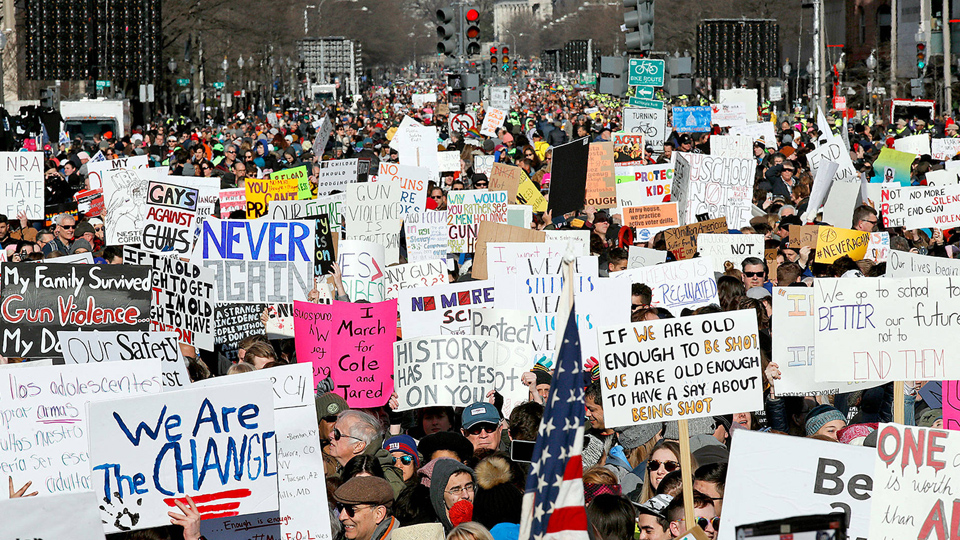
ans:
(645, 72)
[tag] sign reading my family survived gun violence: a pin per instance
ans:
(40, 299)
(694, 367)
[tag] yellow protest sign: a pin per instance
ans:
(529, 195)
(279, 186)
(834, 242)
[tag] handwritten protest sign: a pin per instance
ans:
(732, 146)
(506, 178)
(232, 200)
(730, 247)
(912, 475)
(727, 115)
(95, 347)
(335, 174)
(125, 203)
(702, 366)
(917, 145)
(944, 149)
(417, 274)
(834, 151)
(677, 285)
(139, 446)
(444, 370)
(372, 213)
(40, 299)
(715, 186)
(324, 130)
(467, 210)
(171, 211)
(22, 184)
(235, 322)
(649, 220)
(944, 177)
(97, 170)
(259, 261)
(492, 121)
(507, 258)
(326, 246)
(312, 324)
(682, 241)
(361, 269)
(804, 236)
(641, 256)
(412, 182)
(449, 161)
(47, 423)
(936, 207)
(903, 264)
(77, 517)
(822, 477)
(885, 329)
(529, 195)
(483, 164)
(361, 350)
(762, 130)
(278, 186)
(426, 235)
(601, 181)
(442, 309)
(495, 232)
(330, 205)
(879, 247)
(513, 331)
(208, 195)
(834, 242)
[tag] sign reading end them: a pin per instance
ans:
(645, 72)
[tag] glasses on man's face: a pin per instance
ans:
(872, 222)
(482, 185)
(753, 274)
(703, 522)
(436, 197)
(231, 151)
(350, 509)
(654, 465)
(404, 459)
(489, 428)
(71, 227)
(457, 491)
(337, 435)
(98, 229)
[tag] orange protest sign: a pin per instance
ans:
(656, 216)
(601, 180)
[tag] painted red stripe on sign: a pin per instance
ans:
(200, 499)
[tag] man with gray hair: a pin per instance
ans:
(356, 433)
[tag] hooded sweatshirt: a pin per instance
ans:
(443, 469)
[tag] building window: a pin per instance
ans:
(883, 24)
(863, 26)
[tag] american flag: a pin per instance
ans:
(553, 505)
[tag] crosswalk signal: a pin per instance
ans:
(921, 55)
(446, 32)
(471, 31)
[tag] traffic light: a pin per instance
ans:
(446, 32)
(506, 57)
(471, 31)
(638, 19)
(921, 55)
(515, 68)
(493, 57)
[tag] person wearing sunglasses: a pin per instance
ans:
(754, 272)
(664, 458)
(439, 197)
(364, 508)
(356, 432)
(329, 406)
(482, 425)
(403, 449)
(63, 233)
(703, 512)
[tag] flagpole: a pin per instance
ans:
(686, 474)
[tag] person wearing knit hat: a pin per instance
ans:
(364, 508)
(450, 482)
(404, 451)
(329, 405)
(497, 499)
(824, 420)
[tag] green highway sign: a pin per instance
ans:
(218, 85)
(645, 92)
(104, 84)
(646, 103)
(645, 72)
(183, 82)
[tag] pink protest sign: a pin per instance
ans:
(311, 328)
(361, 351)
(951, 405)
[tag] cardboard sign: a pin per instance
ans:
(819, 477)
(601, 190)
(467, 210)
(416, 274)
(917, 145)
(312, 325)
(426, 235)
(651, 123)
(692, 119)
(258, 261)
(893, 166)
(278, 186)
(492, 121)
(654, 218)
(438, 371)
(361, 349)
(727, 115)
(442, 309)
(335, 174)
(944, 149)
(125, 203)
(627, 149)
(732, 146)
(161, 347)
(373, 213)
(529, 195)
(715, 186)
(677, 285)
(139, 446)
(568, 176)
(902, 264)
(682, 241)
(235, 322)
(734, 248)
(641, 256)
(804, 235)
(703, 366)
(232, 200)
(495, 232)
(97, 170)
(506, 178)
(76, 514)
(884, 329)
(40, 299)
(833, 243)
(46, 425)
(361, 270)
(912, 471)
(171, 211)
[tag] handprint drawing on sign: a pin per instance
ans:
(124, 519)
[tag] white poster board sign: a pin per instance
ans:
(160, 347)
(914, 144)
(640, 256)
(651, 123)
(22, 184)
(72, 516)
(747, 96)
(729, 247)
(903, 264)
(677, 285)
(436, 371)
(442, 309)
(715, 186)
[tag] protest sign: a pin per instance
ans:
(483, 164)
(372, 213)
(793, 351)
(917, 145)
(951, 405)
(467, 210)
(125, 203)
(208, 195)
(715, 186)
(438, 371)
(727, 115)
(729, 247)
(513, 331)
(641, 256)
(138, 467)
(361, 270)
(40, 299)
(902, 264)
(520, 215)
(885, 329)
(702, 366)
(76, 258)
(442, 309)
(77, 517)
(22, 184)
(507, 259)
(361, 352)
(834, 150)
(298, 448)
(601, 190)
(892, 207)
(500, 97)
(312, 324)
(732, 146)
(416, 274)
(568, 176)
(749, 97)
(419, 100)
(944, 149)
(644, 185)
(335, 174)
(492, 121)
(579, 237)
(171, 211)
(822, 182)
(649, 220)
(97, 170)
(692, 119)
(235, 322)
(506, 178)
(279, 323)
(677, 285)
(412, 182)
(913, 468)
(834, 242)
(258, 261)
(651, 123)
(808, 477)
(682, 241)
(449, 161)
(330, 205)
(627, 149)
(804, 235)
(879, 248)
(942, 177)
(46, 421)
(232, 200)
(529, 195)
(934, 207)
(893, 166)
(426, 235)
(842, 199)
(324, 130)
(89, 202)
(278, 186)
(763, 130)
(160, 347)
(496, 232)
